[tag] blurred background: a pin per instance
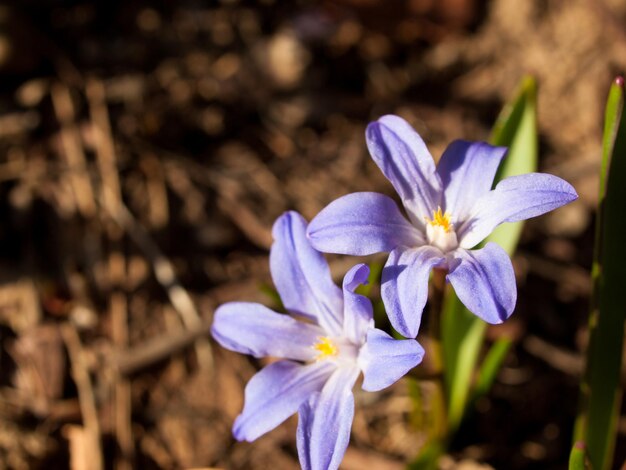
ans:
(146, 149)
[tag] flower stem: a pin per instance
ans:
(434, 319)
(435, 422)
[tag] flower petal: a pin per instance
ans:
(325, 422)
(385, 360)
(404, 286)
(275, 393)
(302, 276)
(361, 224)
(485, 282)
(254, 329)
(306, 415)
(403, 158)
(358, 314)
(467, 170)
(514, 198)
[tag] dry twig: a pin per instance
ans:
(133, 360)
(86, 396)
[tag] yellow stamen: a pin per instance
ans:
(325, 348)
(440, 219)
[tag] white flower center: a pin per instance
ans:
(440, 231)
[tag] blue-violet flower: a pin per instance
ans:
(324, 355)
(451, 208)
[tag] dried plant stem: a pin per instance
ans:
(133, 360)
(122, 393)
(104, 145)
(86, 396)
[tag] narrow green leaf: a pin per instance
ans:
(491, 366)
(578, 457)
(600, 388)
(516, 128)
(462, 337)
(462, 333)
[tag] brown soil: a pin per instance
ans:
(147, 149)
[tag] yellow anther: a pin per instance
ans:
(441, 219)
(325, 348)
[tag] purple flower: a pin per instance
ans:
(323, 355)
(451, 208)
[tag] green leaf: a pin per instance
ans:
(600, 388)
(516, 128)
(578, 457)
(491, 366)
(462, 337)
(462, 333)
